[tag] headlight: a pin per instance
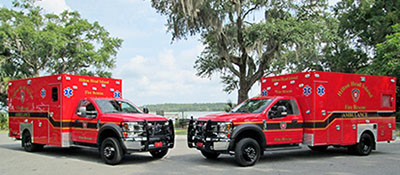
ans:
(224, 127)
(132, 129)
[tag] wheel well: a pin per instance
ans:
(372, 136)
(107, 133)
(25, 130)
(250, 134)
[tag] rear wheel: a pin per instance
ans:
(210, 155)
(159, 153)
(364, 147)
(318, 148)
(247, 152)
(111, 151)
(28, 145)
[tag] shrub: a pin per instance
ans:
(3, 121)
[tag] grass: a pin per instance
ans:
(3, 131)
(180, 131)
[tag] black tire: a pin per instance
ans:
(159, 153)
(28, 145)
(111, 151)
(210, 155)
(247, 152)
(364, 147)
(318, 148)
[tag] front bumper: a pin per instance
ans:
(206, 140)
(150, 141)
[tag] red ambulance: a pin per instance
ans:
(71, 110)
(318, 109)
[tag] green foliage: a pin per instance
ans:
(387, 59)
(33, 42)
(3, 121)
(180, 131)
(371, 35)
(174, 107)
(368, 20)
(242, 50)
(362, 25)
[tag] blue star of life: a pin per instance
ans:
(68, 92)
(117, 94)
(264, 93)
(43, 93)
(307, 90)
(321, 90)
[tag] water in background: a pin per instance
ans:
(187, 115)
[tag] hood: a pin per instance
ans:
(131, 117)
(238, 117)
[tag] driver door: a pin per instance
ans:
(284, 123)
(85, 125)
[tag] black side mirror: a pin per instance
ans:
(146, 110)
(81, 111)
(282, 111)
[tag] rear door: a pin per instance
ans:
(284, 123)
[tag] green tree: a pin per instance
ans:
(387, 60)
(362, 25)
(243, 50)
(370, 31)
(33, 42)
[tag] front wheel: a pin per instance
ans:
(364, 147)
(111, 151)
(28, 145)
(247, 152)
(159, 153)
(210, 155)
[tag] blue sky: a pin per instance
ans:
(153, 69)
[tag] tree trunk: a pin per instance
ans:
(243, 94)
(244, 87)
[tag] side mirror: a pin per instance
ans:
(282, 111)
(146, 110)
(81, 111)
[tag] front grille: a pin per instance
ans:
(158, 128)
(201, 129)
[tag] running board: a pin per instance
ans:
(282, 147)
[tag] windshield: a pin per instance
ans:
(116, 106)
(252, 106)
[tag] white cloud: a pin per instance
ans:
(1, 5)
(168, 78)
(53, 6)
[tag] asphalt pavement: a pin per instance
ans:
(182, 160)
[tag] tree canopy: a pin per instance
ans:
(242, 50)
(34, 43)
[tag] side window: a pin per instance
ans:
(54, 94)
(86, 109)
(386, 100)
(283, 108)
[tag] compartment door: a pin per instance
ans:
(54, 116)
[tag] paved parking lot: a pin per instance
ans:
(182, 160)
